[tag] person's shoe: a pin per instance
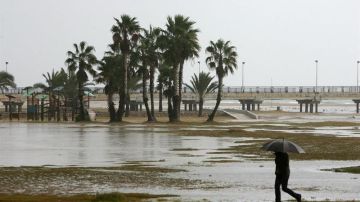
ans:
(298, 198)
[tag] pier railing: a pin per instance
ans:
(234, 92)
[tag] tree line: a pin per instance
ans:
(134, 56)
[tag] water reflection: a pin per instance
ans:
(23, 144)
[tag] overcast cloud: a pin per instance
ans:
(278, 39)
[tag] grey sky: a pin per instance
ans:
(278, 39)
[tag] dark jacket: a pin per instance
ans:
(282, 163)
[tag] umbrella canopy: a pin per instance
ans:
(30, 91)
(282, 146)
(42, 96)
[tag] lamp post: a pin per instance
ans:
(242, 75)
(316, 62)
(357, 75)
(6, 64)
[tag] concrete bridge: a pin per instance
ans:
(286, 92)
(260, 92)
(251, 97)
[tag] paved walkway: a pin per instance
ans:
(239, 114)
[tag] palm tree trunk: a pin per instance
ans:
(81, 108)
(170, 109)
(152, 72)
(180, 88)
(127, 101)
(111, 107)
(218, 99)
(160, 96)
(122, 90)
(49, 107)
(201, 103)
(145, 98)
(176, 98)
(120, 111)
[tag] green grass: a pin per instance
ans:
(354, 170)
(317, 147)
(108, 197)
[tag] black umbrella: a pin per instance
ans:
(282, 146)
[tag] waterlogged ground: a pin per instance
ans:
(192, 161)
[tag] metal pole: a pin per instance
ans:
(316, 61)
(6, 64)
(242, 75)
(357, 76)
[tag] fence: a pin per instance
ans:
(246, 89)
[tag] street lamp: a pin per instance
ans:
(357, 76)
(316, 62)
(242, 75)
(6, 64)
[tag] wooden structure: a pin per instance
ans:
(16, 106)
(192, 105)
(250, 104)
(311, 104)
(13, 107)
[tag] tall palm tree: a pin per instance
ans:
(108, 70)
(54, 80)
(180, 43)
(151, 41)
(201, 86)
(125, 33)
(167, 87)
(162, 79)
(70, 91)
(6, 80)
(81, 61)
(222, 59)
(148, 56)
(144, 72)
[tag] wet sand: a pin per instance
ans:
(90, 158)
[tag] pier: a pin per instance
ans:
(190, 105)
(311, 103)
(250, 104)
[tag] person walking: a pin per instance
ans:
(282, 173)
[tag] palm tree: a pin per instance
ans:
(179, 43)
(167, 87)
(125, 33)
(201, 86)
(81, 62)
(163, 77)
(151, 41)
(144, 72)
(54, 80)
(108, 75)
(148, 57)
(6, 80)
(70, 91)
(222, 59)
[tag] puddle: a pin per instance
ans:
(231, 177)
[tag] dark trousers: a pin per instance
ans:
(283, 181)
